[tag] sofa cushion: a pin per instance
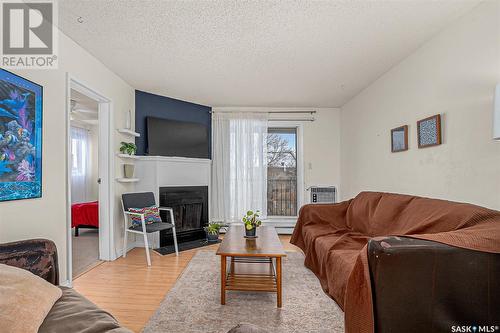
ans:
(340, 264)
(336, 256)
(25, 300)
(383, 214)
(316, 256)
(73, 313)
(312, 234)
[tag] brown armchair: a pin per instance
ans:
(425, 286)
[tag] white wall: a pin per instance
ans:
(453, 74)
(322, 150)
(46, 217)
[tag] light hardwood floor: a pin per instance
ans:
(132, 291)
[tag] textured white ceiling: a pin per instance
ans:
(255, 53)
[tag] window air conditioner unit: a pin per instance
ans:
(323, 194)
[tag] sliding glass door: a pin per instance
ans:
(282, 172)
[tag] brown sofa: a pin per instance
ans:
(399, 263)
(72, 313)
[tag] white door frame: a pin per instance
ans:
(106, 172)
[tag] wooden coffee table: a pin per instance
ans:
(255, 264)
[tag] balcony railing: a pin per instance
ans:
(282, 197)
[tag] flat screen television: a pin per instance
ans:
(176, 138)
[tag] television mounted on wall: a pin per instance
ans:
(167, 137)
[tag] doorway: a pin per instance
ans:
(281, 171)
(88, 171)
(84, 172)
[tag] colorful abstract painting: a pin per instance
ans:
(20, 138)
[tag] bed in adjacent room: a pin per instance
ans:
(85, 215)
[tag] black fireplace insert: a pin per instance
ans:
(190, 205)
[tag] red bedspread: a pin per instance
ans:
(85, 213)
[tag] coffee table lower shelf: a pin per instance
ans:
(260, 282)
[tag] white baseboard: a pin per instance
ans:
(277, 223)
(130, 245)
(282, 227)
(284, 230)
(66, 283)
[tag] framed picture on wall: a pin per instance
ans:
(399, 139)
(429, 131)
(20, 137)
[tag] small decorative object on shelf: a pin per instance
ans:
(251, 220)
(128, 122)
(128, 148)
(213, 231)
(128, 170)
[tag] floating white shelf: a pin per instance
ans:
(128, 132)
(127, 180)
(134, 157)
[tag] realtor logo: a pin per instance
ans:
(28, 34)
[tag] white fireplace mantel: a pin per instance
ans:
(154, 172)
(160, 171)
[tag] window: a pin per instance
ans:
(78, 156)
(80, 159)
(282, 172)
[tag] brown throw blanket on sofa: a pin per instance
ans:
(337, 236)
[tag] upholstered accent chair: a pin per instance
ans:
(143, 200)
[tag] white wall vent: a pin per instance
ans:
(323, 194)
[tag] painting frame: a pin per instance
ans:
(21, 135)
(436, 131)
(394, 138)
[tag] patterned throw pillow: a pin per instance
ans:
(151, 215)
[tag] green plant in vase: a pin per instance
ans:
(252, 221)
(213, 230)
(128, 148)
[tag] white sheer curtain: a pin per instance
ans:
(239, 170)
(80, 164)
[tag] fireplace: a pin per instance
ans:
(190, 205)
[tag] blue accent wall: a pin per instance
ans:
(151, 105)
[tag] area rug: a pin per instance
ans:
(169, 249)
(193, 304)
